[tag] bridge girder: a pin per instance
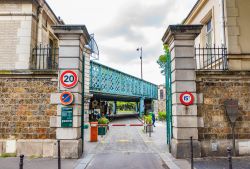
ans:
(108, 82)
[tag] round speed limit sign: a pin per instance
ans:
(187, 98)
(68, 78)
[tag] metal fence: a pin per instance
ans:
(211, 58)
(44, 58)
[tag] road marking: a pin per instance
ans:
(148, 141)
(122, 141)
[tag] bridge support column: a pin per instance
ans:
(115, 107)
(142, 107)
(72, 41)
(136, 107)
(180, 39)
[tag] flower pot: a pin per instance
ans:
(102, 130)
(149, 128)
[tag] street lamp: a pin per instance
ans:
(140, 49)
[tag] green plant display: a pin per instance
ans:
(103, 120)
(162, 116)
(148, 119)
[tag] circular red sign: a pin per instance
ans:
(187, 98)
(66, 98)
(68, 79)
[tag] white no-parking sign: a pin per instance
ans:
(68, 79)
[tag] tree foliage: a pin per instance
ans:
(126, 106)
(162, 60)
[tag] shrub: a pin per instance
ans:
(103, 120)
(162, 116)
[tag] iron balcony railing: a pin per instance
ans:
(211, 58)
(44, 58)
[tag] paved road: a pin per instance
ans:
(124, 148)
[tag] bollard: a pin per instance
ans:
(230, 165)
(21, 161)
(149, 130)
(191, 153)
(59, 154)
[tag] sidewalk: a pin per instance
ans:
(222, 163)
(51, 163)
(157, 142)
(39, 163)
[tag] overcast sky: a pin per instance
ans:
(120, 26)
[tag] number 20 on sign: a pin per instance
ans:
(68, 79)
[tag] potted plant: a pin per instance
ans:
(102, 129)
(148, 121)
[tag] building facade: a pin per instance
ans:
(225, 25)
(212, 42)
(30, 38)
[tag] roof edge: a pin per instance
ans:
(74, 27)
(193, 10)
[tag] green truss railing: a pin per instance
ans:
(106, 80)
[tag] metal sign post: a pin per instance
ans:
(232, 108)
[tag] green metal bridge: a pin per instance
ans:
(114, 85)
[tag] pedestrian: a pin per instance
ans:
(153, 118)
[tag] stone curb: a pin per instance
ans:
(83, 163)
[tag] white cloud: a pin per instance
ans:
(120, 26)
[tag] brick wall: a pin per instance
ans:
(25, 108)
(214, 88)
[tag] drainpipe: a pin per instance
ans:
(83, 101)
(222, 20)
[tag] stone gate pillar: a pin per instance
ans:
(180, 39)
(72, 53)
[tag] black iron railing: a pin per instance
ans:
(44, 58)
(211, 58)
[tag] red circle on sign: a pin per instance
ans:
(66, 98)
(187, 98)
(68, 79)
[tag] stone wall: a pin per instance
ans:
(213, 88)
(25, 108)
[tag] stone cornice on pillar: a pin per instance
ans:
(72, 29)
(181, 32)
